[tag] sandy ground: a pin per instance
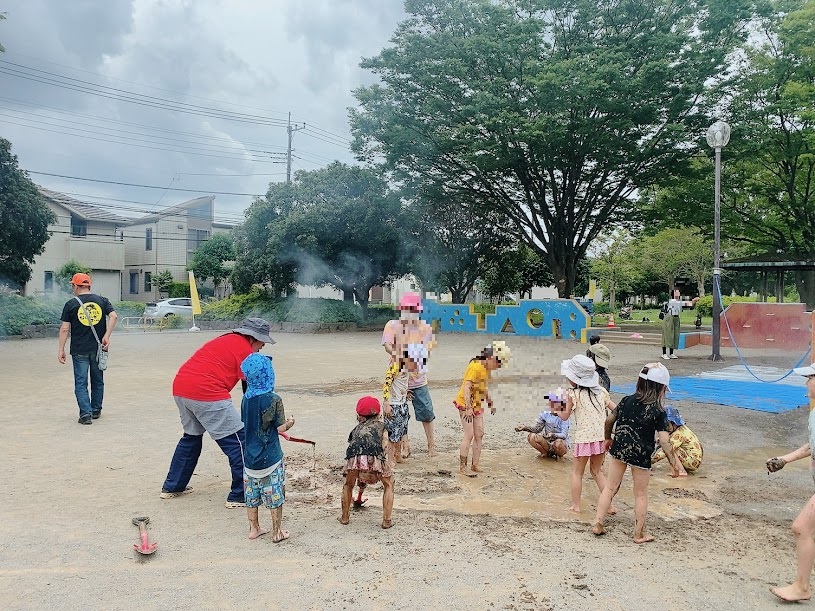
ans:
(501, 541)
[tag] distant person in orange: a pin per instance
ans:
(410, 329)
(89, 320)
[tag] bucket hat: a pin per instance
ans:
(581, 370)
(257, 328)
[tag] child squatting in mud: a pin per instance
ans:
(365, 461)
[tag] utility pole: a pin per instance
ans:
(290, 129)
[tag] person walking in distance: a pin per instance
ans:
(201, 390)
(85, 318)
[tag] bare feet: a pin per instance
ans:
(612, 511)
(477, 469)
(387, 524)
(575, 509)
(398, 458)
(598, 529)
(792, 593)
(644, 539)
(282, 535)
(431, 452)
(255, 533)
(344, 521)
(467, 472)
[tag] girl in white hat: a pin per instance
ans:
(588, 403)
(637, 417)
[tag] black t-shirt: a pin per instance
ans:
(634, 431)
(82, 339)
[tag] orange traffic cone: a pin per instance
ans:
(610, 320)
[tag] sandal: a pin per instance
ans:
(234, 504)
(359, 504)
(165, 494)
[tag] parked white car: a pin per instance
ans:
(180, 306)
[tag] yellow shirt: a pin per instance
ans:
(687, 447)
(476, 373)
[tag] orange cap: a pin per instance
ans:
(81, 280)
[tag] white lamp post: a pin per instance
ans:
(718, 135)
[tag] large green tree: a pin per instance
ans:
(552, 113)
(768, 174)
(614, 264)
(339, 226)
(24, 220)
(452, 248)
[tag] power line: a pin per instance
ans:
(145, 211)
(187, 95)
(194, 146)
(128, 184)
(51, 78)
(144, 146)
(15, 101)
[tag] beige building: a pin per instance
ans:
(87, 234)
(165, 240)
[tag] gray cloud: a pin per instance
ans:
(243, 56)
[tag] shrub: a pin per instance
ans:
(171, 321)
(178, 289)
(17, 311)
(601, 307)
(705, 305)
(292, 309)
(129, 308)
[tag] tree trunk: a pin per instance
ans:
(805, 283)
(362, 300)
(456, 293)
(700, 285)
(348, 295)
(564, 276)
(612, 296)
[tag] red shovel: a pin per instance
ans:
(146, 548)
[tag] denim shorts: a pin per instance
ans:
(267, 490)
(422, 404)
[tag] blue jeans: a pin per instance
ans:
(83, 365)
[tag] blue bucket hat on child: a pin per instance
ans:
(259, 374)
(674, 415)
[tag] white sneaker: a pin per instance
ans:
(665, 356)
(673, 356)
(171, 495)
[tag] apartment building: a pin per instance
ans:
(85, 233)
(166, 240)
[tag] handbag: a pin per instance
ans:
(102, 355)
(662, 311)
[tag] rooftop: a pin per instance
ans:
(84, 210)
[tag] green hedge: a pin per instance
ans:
(129, 308)
(17, 312)
(292, 309)
(178, 289)
(705, 304)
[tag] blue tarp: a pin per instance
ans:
(773, 398)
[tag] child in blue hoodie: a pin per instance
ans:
(264, 477)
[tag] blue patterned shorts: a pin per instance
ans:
(267, 490)
(397, 424)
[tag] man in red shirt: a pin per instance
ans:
(201, 390)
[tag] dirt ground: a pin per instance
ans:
(502, 541)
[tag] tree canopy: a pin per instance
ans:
(338, 226)
(24, 220)
(208, 261)
(553, 114)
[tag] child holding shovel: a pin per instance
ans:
(264, 479)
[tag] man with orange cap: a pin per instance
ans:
(88, 319)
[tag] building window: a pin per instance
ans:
(134, 283)
(148, 239)
(195, 238)
(79, 227)
(49, 282)
(148, 282)
(202, 211)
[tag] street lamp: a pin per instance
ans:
(718, 135)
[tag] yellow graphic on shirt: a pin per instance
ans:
(94, 311)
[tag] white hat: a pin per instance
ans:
(582, 371)
(656, 372)
(805, 371)
(501, 351)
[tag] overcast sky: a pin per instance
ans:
(262, 58)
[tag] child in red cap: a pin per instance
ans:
(365, 461)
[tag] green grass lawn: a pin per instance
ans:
(688, 317)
